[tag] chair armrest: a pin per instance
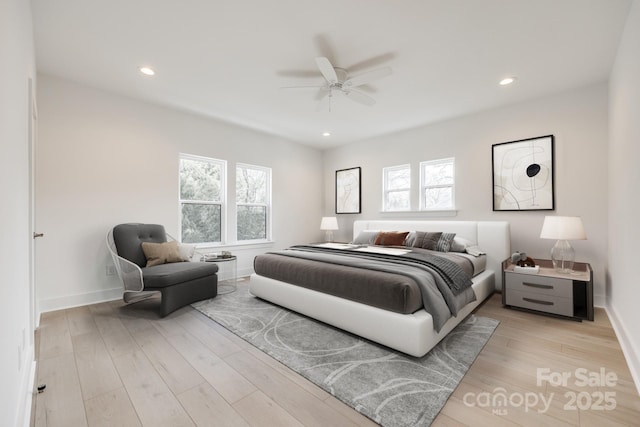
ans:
(129, 273)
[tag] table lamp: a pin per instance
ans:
(563, 228)
(328, 224)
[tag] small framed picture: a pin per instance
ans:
(348, 189)
(523, 175)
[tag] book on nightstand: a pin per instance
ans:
(528, 270)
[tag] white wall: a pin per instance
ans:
(104, 159)
(578, 119)
(624, 196)
(17, 65)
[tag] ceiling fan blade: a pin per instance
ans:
(303, 87)
(304, 74)
(367, 88)
(359, 97)
(367, 77)
(326, 69)
(324, 47)
(372, 62)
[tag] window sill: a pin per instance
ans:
(258, 244)
(422, 214)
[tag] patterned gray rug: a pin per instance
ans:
(391, 388)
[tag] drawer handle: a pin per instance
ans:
(537, 301)
(536, 285)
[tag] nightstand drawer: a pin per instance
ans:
(542, 285)
(546, 303)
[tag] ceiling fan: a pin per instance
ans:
(339, 82)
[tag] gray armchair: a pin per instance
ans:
(179, 283)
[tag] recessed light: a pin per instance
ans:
(507, 81)
(326, 134)
(147, 71)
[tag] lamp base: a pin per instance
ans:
(563, 256)
(329, 236)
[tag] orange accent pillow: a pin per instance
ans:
(391, 238)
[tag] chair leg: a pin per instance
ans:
(177, 296)
(132, 297)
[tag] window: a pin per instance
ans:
(396, 188)
(202, 197)
(437, 184)
(253, 202)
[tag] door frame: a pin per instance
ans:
(33, 116)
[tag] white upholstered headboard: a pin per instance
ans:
(493, 237)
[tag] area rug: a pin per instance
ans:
(391, 388)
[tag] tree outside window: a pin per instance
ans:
(437, 183)
(396, 188)
(202, 194)
(253, 204)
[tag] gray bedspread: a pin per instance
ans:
(445, 286)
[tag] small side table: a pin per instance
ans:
(568, 295)
(228, 266)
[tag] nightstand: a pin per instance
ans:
(568, 295)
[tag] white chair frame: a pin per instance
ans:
(129, 273)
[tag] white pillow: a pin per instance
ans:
(475, 251)
(366, 237)
(460, 244)
(186, 251)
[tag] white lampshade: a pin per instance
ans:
(563, 228)
(329, 223)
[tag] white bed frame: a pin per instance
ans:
(409, 333)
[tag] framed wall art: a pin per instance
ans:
(523, 174)
(348, 189)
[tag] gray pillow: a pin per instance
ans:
(366, 237)
(444, 244)
(423, 239)
(435, 241)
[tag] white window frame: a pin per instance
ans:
(386, 191)
(222, 202)
(266, 205)
(424, 187)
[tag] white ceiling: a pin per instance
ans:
(228, 59)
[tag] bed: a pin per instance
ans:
(411, 333)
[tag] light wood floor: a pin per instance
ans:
(116, 365)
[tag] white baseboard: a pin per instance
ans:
(600, 301)
(631, 354)
(245, 272)
(23, 417)
(68, 301)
